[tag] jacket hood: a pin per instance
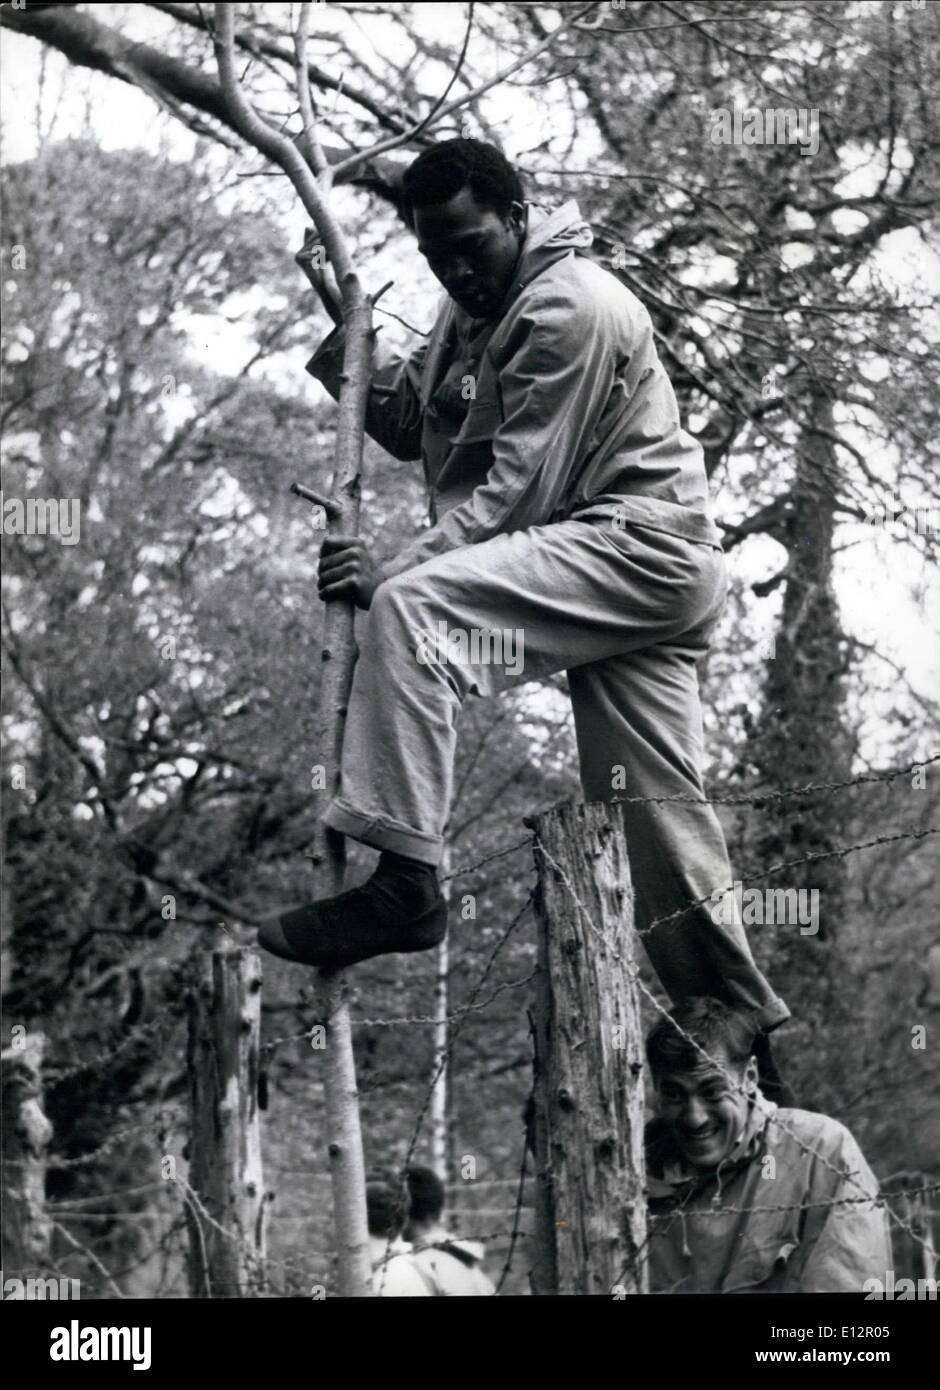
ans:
(549, 236)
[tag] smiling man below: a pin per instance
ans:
(746, 1197)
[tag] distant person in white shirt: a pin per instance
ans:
(394, 1274)
(450, 1266)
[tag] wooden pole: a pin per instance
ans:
(588, 1102)
(306, 167)
(226, 1208)
(27, 1226)
(438, 1114)
(347, 1161)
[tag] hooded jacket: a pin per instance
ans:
(557, 406)
(452, 1267)
(786, 1212)
(394, 1272)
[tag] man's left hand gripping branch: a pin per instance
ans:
(569, 506)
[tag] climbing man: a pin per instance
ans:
(745, 1196)
(568, 505)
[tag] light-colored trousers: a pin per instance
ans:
(626, 611)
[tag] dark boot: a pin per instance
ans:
(771, 1082)
(400, 908)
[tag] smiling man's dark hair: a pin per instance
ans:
(440, 172)
(709, 1023)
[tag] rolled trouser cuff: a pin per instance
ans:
(771, 1015)
(383, 833)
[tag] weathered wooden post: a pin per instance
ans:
(588, 1102)
(26, 1133)
(225, 1134)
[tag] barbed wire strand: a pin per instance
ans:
(840, 853)
(750, 876)
(106, 1057)
(416, 1020)
(739, 799)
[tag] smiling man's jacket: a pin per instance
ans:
(558, 407)
(792, 1209)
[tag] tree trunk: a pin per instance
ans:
(225, 1134)
(439, 1135)
(802, 737)
(299, 162)
(347, 1161)
(26, 1134)
(588, 1107)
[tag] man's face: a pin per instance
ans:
(471, 250)
(705, 1109)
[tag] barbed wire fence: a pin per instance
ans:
(754, 798)
(297, 1271)
(866, 1196)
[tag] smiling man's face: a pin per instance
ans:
(705, 1109)
(472, 250)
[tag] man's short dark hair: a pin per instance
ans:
(426, 1192)
(385, 1207)
(710, 1023)
(440, 172)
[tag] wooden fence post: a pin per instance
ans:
(225, 1136)
(27, 1226)
(588, 1100)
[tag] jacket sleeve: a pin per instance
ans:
(393, 412)
(846, 1241)
(555, 376)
